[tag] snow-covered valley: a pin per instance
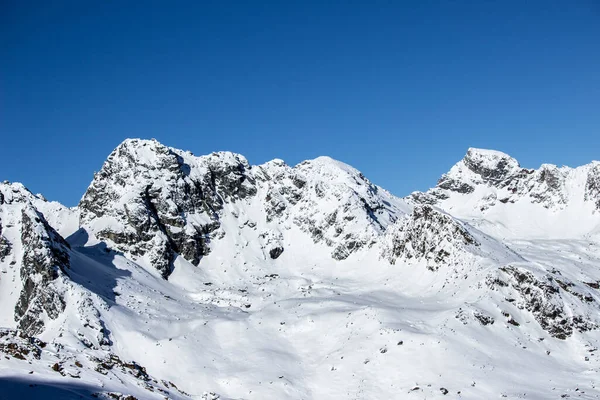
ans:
(207, 278)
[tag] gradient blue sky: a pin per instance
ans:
(397, 89)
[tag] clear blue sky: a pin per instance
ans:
(397, 89)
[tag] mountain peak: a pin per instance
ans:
(492, 184)
(138, 152)
(134, 144)
(326, 160)
(490, 164)
(175, 253)
(332, 170)
(475, 151)
(10, 191)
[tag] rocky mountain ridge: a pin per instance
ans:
(490, 188)
(163, 243)
(154, 201)
(550, 186)
(44, 260)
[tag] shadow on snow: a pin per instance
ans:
(22, 388)
(93, 266)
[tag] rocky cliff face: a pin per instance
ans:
(175, 250)
(154, 201)
(554, 300)
(490, 187)
(5, 246)
(331, 201)
(427, 234)
(40, 254)
(592, 185)
(478, 167)
(493, 169)
(45, 257)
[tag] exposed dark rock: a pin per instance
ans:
(593, 285)
(160, 202)
(156, 219)
(550, 176)
(543, 299)
(592, 185)
(545, 186)
(484, 319)
(426, 234)
(45, 256)
(275, 252)
(429, 198)
(446, 182)
(19, 345)
(549, 186)
(299, 193)
(5, 246)
(493, 168)
(113, 361)
(275, 205)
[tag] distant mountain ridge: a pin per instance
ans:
(178, 267)
(490, 185)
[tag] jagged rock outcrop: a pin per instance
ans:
(478, 167)
(62, 219)
(486, 179)
(592, 185)
(549, 298)
(427, 234)
(331, 201)
(44, 258)
(149, 200)
(154, 201)
(491, 166)
(5, 246)
(465, 282)
(19, 345)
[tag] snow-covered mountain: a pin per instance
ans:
(205, 277)
(489, 187)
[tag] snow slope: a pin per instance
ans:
(207, 277)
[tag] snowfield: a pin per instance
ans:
(207, 278)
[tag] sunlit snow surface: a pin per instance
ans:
(241, 325)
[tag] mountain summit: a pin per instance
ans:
(181, 276)
(490, 186)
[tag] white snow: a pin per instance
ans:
(307, 326)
